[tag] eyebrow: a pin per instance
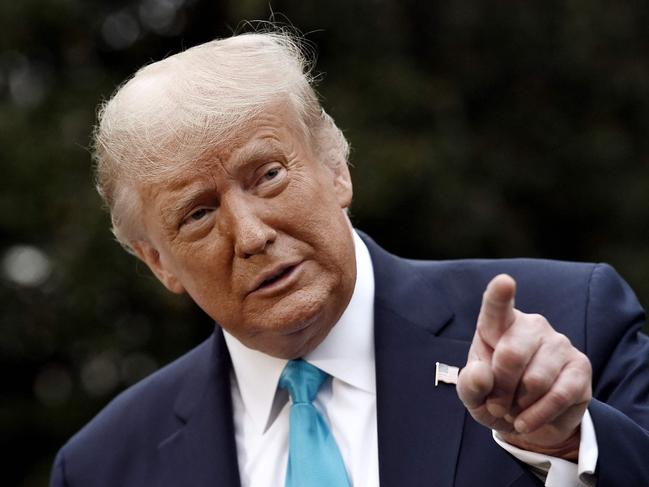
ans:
(259, 150)
(182, 204)
(185, 197)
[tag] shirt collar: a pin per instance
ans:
(347, 353)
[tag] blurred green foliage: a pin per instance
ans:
(478, 128)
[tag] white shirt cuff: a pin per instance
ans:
(557, 472)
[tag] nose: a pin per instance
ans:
(250, 234)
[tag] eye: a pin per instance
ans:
(271, 179)
(272, 173)
(198, 214)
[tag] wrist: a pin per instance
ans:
(567, 449)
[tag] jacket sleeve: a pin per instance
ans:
(619, 353)
(57, 477)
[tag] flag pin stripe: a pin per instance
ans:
(446, 373)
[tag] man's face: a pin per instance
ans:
(257, 234)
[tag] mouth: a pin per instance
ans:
(275, 278)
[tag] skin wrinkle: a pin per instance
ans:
(183, 106)
(251, 154)
(259, 224)
(321, 133)
(247, 177)
(493, 384)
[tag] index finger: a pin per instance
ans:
(497, 310)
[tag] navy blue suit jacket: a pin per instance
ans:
(175, 428)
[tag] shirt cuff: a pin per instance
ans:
(557, 472)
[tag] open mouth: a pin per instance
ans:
(283, 274)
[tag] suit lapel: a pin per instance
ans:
(202, 451)
(426, 437)
(419, 425)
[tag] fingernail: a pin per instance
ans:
(509, 418)
(521, 426)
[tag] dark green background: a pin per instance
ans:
(478, 128)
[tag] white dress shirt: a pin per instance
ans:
(347, 401)
(557, 472)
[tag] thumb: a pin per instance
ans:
(475, 383)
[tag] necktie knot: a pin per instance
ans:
(302, 381)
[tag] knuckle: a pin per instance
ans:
(578, 377)
(561, 341)
(583, 362)
(561, 398)
(581, 376)
(481, 326)
(536, 381)
(537, 321)
(507, 358)
(557, 400)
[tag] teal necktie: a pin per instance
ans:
(313, 456)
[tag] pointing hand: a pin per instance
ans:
(524, 379)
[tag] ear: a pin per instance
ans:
(342, 184)
(151, 257)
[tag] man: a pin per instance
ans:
(225, 176)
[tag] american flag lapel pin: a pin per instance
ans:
(446, 373)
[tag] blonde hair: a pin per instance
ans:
(173, 112)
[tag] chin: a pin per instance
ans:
(294, 333)
(292, 325)
(293, 346)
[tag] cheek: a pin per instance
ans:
(316, 211)
(222, 307)
(206, 275)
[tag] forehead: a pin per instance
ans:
(274, 131)
(272, 128)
